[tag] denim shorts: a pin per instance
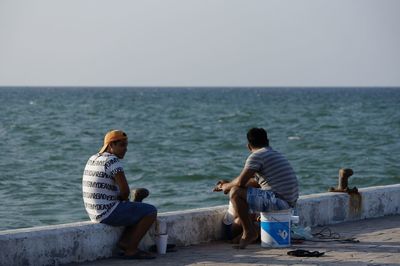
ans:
(264, 201)
(129, 213)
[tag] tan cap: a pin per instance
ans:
(111, 136)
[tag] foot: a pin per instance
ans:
(139, 194)
(123, 246)
(236, 240)
(138, 255)
(248, 239)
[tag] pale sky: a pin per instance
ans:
(200, 43)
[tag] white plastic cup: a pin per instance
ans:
(161, 242)
(161, 227)
(295, 219)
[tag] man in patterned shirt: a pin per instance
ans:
(106, 196)
(272, 172)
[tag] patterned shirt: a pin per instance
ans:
(100, 190)
(274, 172)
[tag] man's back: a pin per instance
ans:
(275, 173)
(100, 191)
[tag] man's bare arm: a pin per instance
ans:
(123, 185)
(252, 183)
(240, 181)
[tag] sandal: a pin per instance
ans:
(170, 248)
(305, 253)
(139, 255)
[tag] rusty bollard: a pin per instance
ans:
(343, 182)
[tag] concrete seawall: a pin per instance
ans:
(83, 241)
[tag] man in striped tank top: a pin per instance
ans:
(275, 178)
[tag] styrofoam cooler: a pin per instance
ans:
(275, 228)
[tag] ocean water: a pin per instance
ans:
(183, 140)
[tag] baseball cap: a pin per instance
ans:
(111, 136)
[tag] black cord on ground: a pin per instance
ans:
(326, 235)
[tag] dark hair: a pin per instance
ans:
(257, 137)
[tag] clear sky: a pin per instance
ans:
(200, 43)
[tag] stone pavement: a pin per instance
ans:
(379, 245)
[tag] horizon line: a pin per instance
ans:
(195, 87)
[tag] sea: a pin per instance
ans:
(183, 140)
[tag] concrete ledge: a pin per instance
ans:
(193, 226)
(78, 242)
(60, 244)
(331, 208)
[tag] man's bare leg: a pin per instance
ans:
(236, 231)
(238, 196)
(132, 235)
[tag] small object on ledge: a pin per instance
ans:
(139, 194)
(343, 182)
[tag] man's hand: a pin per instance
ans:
(218, 186)
(226, 187)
